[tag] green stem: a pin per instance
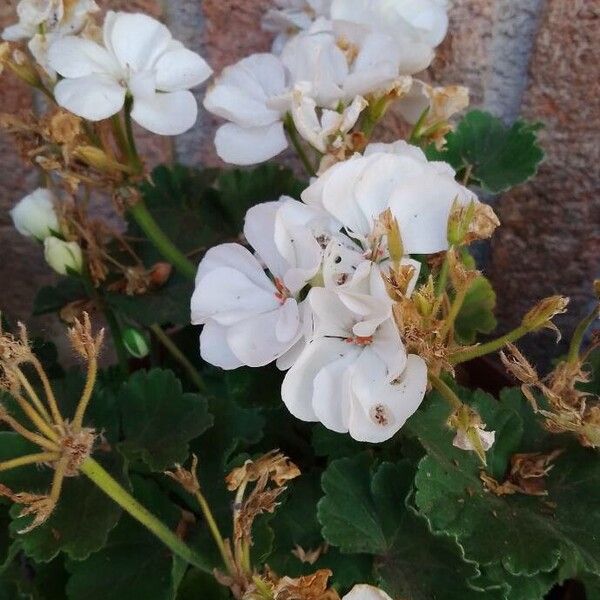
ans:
(157, 236)
(442, 280)
(119, 134)
(134, 157)
(445, 390)
(293, 135)
(214, 529)
(489, 347)
(459, 300)
(578, 335)
(178, 355)
(127, 502)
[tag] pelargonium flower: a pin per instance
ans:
(419, 193)
(354, 374)
(42, 22)
(415, 26)
(140, 59)
(249, 95)
(252, 317)
(291, 16)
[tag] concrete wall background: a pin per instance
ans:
(538, 58)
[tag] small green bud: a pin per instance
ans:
(136, 343)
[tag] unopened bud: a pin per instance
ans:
(63, 257)
(34, 216)
(394, 237)
(136, 343)
(459, 222)
(541, 316)
(20, 64)
(98, 159)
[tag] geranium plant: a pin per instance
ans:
(321, 440)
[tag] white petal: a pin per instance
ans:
(214, 348)
(288, 323)
(259, 230)
(254, 341)
(390, 349)
(332, 318)
(399, 147)
(169, 113)
(137, 40)
(249, 146)
(422, 207)
(366, 592)
(94, 97)
(242, 91)
(77, 57)
(181, 69)
(236, 257)
(297, 389)
(228, 296)
(380, 408)
(331, 396)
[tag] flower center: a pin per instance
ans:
(360, 340)
(282, 293)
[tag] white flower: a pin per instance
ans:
(250, 318)
(415, 26)
(34, 216)
(43, 22)
(40, 17)
(292, 16)
(140, 58)
(248, 94)
(397, 176)
(63, 257)
(366, 592)
(354, 374)
(328, 128)
(339, 61)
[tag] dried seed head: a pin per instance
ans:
(540, 317)
(40, 506)
(274, 466)
(83, 340)
(188, 480)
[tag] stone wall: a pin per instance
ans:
(531, 57)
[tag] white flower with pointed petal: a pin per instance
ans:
(354, 375)
(463, 442)
(251, 318)
(416, 26)
(366, 592)
(34, 216)
(327, 129)
(419, 194)
(248, 94)
(139, 58)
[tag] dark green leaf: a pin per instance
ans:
(367, 512)
(80, 523)
(477, 312)
(159, 420)
(133, 563)
(499, 157)
(52, 298)
(525, 534)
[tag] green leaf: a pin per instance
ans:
(198, 585)
(52, 298)
(334, 445)
(525, 534)
(477, 312)
(499, 157)
(133, 563)
(295, 525)
(79, 524)
(159, 420)
(512, 587)
(366, 511)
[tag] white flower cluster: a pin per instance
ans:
(331, 61)
(133, 58)
(312, 296)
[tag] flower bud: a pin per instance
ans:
(63, 257)
(98, 159)
(459, 222)
(34, 216)
(541, 316)
(136, 343)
